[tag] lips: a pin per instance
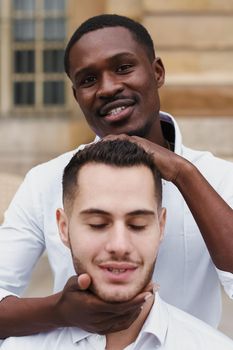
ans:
(118, 268)
(116, 107)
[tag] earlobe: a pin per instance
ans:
(159, 71)
(63, 228)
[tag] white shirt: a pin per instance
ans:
(165, 328)
(184, 269)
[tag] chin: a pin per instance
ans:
(115, 296)
(142, 131)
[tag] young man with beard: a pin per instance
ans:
(113, 223)
(115, 77)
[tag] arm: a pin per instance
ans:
(74, 306)
(212, 214)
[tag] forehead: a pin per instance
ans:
(104, 43)
(108, 187)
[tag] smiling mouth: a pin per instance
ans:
(116, 107)
(118, 114)
(116, 271)
(116, 111)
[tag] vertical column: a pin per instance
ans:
(5, 69)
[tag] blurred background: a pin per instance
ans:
(39, 118)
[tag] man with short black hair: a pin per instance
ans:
(113, 223)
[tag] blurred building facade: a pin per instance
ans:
(39, 118)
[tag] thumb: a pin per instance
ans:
(84, 281)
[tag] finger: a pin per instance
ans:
(120, 323)
(84, 281)
(126, 307)
(149, 287)
(116, 137)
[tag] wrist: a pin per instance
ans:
(185, 173)
(55, 315)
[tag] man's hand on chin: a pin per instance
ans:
(77, 306)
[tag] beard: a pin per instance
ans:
(115, 293)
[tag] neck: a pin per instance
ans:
(155, 133)
(119, 340)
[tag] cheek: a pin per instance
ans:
(84, 246)
(80, 246)
(150, 250)
(85, 99)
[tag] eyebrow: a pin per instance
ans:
(111, 58)
(139, 212)
(94, 211)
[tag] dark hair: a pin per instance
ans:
(138, 31)
(118, 153)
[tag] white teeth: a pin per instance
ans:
(116, 110)
(116, 271)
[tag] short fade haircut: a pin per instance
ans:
(116, 153)
(138, 31)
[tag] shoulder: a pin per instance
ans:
(217, 171)
(52, 166)
(194, 331)
(49, 172)
(205, 160)
(42, 341)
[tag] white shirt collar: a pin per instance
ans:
(78, 334)
(167, 118)
(156, 324)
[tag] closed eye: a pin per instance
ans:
(98, 226)
(137, 227)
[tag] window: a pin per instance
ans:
(24, 30)
(38, 40)
(24, 93)
(24, 61)
(54, 5)
(54, 29)
(53, 92)
(53, 61)
(24, 5)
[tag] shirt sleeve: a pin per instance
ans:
(21, 238)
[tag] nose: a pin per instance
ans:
(109, 85)
(119, 241)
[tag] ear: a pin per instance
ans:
(162, 222)
(159, 71)
(63, 226)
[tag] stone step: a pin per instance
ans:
(197, 62)
(177, 6)
(204, 31)
(199, 99)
